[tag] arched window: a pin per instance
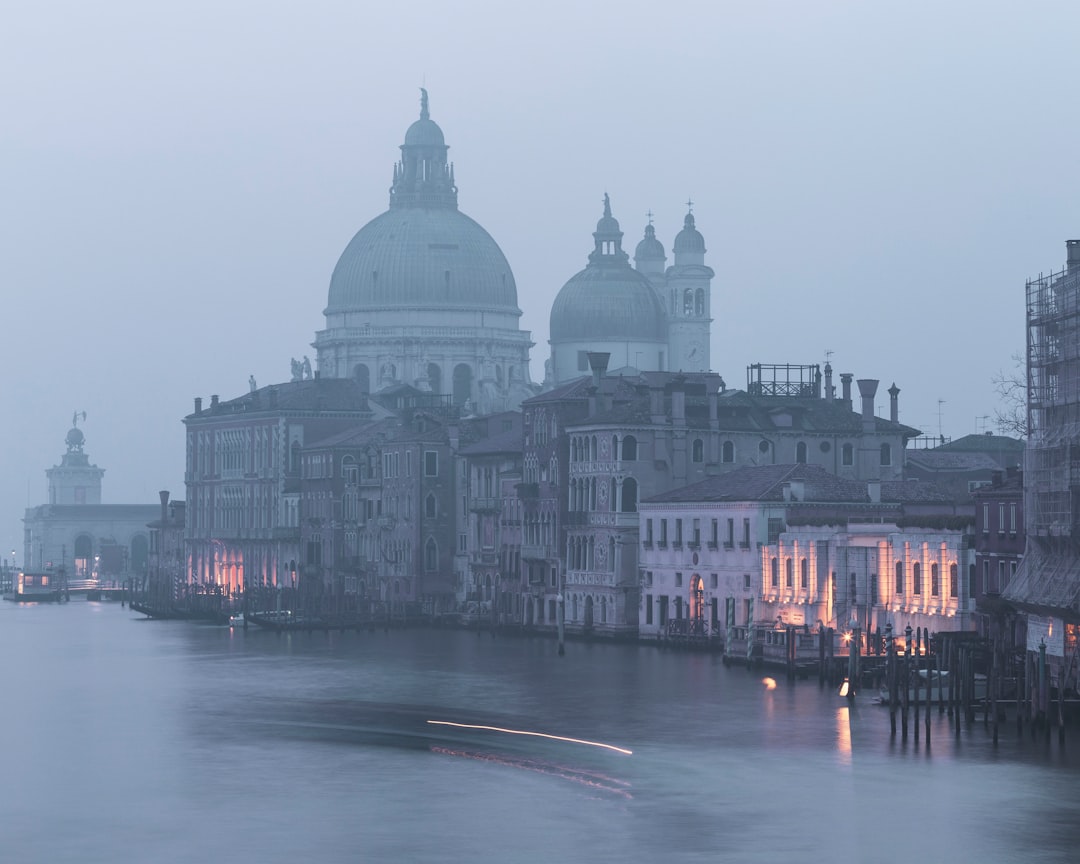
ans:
(294, 457)
(434, 376)
(363, 377)
(462, 384)
(789, 573)
(727, 452)
(916, 578)
(431, 554)
(629, 495)
(899, 577)
(800, 452)
(629, 448)
(775, 574)
(886, 454)
(615, 447)
(935, 581)
(699, 302)
(804, 573)
(592, 449)
(430, 507)
(688, 302)
(847, 455)
(954, 580)
(698, 450)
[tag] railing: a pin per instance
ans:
(485, 505)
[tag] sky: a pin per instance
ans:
(875, 182)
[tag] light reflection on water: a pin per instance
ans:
(131, 740)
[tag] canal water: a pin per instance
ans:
(134, 740)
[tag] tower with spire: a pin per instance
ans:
(75, 480)
(689, 288)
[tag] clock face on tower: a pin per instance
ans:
(694, 352)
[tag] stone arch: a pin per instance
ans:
(588, 620)
(363, 377)
(699, 302)
(463, 379)
(434, 377)
(629, 448)
(629, 495)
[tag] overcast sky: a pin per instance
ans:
(177, 180)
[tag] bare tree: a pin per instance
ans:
(1010, 385)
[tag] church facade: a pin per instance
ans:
(423, 296)
(646, 317)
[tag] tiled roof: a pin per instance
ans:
(986, 443)
(939, 460)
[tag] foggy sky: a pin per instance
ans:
(178, 180)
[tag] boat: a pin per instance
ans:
(933, 685)
(35, 588)
(236, 620)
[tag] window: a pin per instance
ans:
(678, 580)
(697, 533)
(986, 518)
(1001, 575)
(727, 452)
(804, 574)
(678, 532)
(899, 577)
(1012, 518)
(431, 555)
(431, 463)
(713, 581)
(775, 574)
(714, 533)
(629, 495)
(430, 507)
(746, 533)
(800, 452)
(886, 454)
(847, 455)
(1001, 518)
(629, 448)
(776, 526)
(916, 578)
(986, 576)
(698, 450)
(746, 580)
(730, 541)
(408, 463)
(935, 581)
(789, 573)
(648, 608)
(648, 532)
(663, 533)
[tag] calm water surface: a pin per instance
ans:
(135, 740)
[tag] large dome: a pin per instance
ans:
(410, 256)
(608, 304)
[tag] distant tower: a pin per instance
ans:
(75, 480)
(689, 285)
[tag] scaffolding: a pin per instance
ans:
(1049, 576)
(783, 379)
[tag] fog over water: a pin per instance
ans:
(875, 180)
(136, 740)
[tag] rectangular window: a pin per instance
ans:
(746, 533)
(1001, 519)
(648, 532)
(804, 573)
(776, 526)
(648, 578)
(648, 608)
(431, 463)
(986, 577)
(789, 573)
(730, 542)
(713, 579)
(663, 533)
(986, 518)
(746, 581)
(408, 463)
(954, 580)
(678, 580)
(775, 573)
(678, 532)
(697, 533)
(1001, 575)
(1012, 518)
(714, 535)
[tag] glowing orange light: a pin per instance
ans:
(770, 683)
(844, 688)
(846, 637)
(533, 734)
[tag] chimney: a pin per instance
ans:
(894, 405)
(1072, 251)
(798, 490)
(198, 404)
(598, 362)
(830, 393)
(164, 495)
(845, 384)
(873, 489)
(867, 390)
(213, 402)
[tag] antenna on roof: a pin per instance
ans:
(940, 433)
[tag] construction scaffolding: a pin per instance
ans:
(1049, 576)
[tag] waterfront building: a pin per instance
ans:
(423, 296)
(167, 570)
(646, 317)
(1046, 586)
(77, 533)
(963, 465)
(490, 514)
(596, 446)
(780, 546)
(999, 549)
(243, 476)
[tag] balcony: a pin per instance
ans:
(485, 505)
(538, 551)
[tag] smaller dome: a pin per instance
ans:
(649, 246)
(689, 239)
(424, 133)
(75, 438)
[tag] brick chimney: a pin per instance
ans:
(867, 390)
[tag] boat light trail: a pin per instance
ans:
(622, 750)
